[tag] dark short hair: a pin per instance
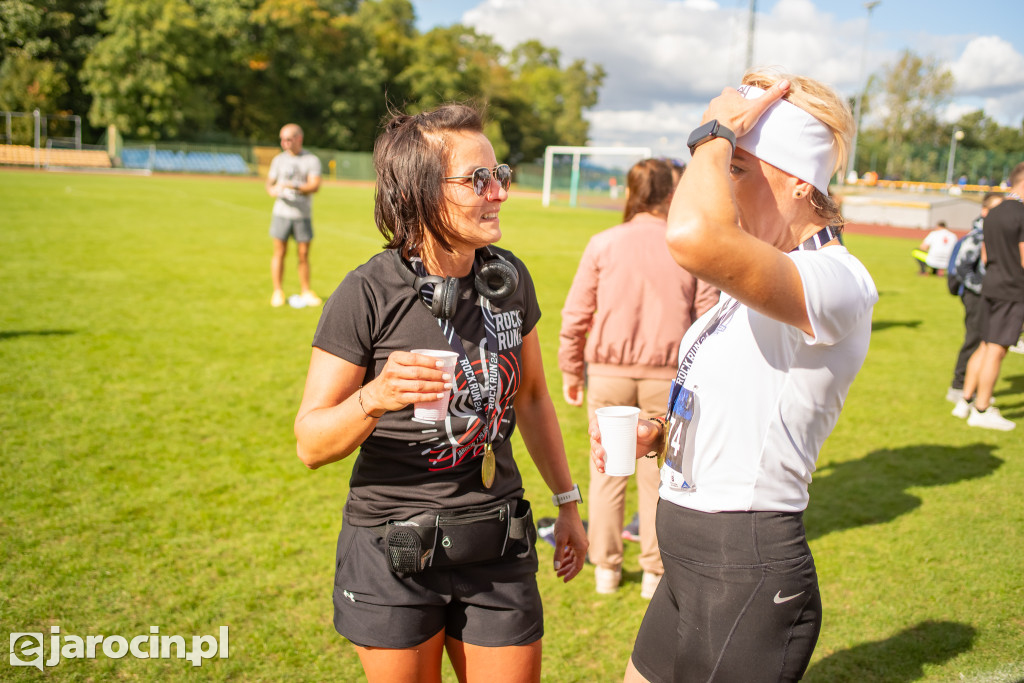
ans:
(411, 157)
(991, 199)
(651, 184)
(1016, 173)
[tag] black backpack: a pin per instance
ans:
(954, 279)
(964, 262)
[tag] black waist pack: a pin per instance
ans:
(447, 538)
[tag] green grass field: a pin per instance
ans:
(148, 474)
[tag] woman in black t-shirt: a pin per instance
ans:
(403, 592)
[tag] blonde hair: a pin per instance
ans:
(828, 107)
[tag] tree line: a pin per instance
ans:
(908, 141)
(236, 70)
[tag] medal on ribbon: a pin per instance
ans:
(486, 412)
(487, 468)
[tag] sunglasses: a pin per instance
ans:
(482, 178)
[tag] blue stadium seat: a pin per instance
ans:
(167, 160)
(193, 162)
(135, 158)
(234, 163)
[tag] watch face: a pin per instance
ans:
(709, 131)
(701, 134)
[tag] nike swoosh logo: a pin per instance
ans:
(779, 599)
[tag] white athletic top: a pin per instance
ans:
(767, 395)
(940, 243)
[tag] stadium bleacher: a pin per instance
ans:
(134, 158)
(20, 155)
(189, 162)
(25, 155)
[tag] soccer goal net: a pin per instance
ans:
(591, 176)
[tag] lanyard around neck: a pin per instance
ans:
(488, 413)
(686, 362)
(812, 243)
(818, 239)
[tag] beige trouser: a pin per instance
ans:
(607, 495)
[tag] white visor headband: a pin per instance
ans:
(791, 140)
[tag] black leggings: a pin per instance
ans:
(739, 600)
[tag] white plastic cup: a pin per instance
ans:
(618, 436)
(435, 411)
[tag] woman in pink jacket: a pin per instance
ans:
(625, 357)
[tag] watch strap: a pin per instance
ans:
(709, 131)
(569, 496)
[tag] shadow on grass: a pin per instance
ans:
(896, 659)
(872, 490)
(878, 325)
(1008, 408)
(1016, 385)
(14, 334)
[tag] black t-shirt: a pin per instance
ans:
(1004, 233)
(406, 466)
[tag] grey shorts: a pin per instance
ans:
(1004, 321)
(492, 604)
(300, 228)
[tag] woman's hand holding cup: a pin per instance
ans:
(407, 378)
(648, 438)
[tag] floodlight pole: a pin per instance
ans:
(751, 17)
(36, 135)
(958, 134)
(852, 162)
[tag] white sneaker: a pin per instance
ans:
(954, 395)
(1017, 348)
(607, 580)
(990, 419)
(962, 409)
(649, 584)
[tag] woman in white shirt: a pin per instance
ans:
(762, 380)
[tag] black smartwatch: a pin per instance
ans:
(709, 131)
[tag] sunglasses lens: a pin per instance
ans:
(504, 176)
(481, 181)
(482, 178)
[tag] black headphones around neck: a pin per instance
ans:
(495, 279)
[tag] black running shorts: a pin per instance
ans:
(739, 600)
(493, 604)
(1004, 321)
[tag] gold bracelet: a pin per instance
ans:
(359, 397)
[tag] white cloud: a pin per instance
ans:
(664, 127)
(665, 59)
(1007, 109)
(651, 50)
(988, 66)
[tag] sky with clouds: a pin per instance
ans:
(665, 59)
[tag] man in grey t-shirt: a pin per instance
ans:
(293, 178)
